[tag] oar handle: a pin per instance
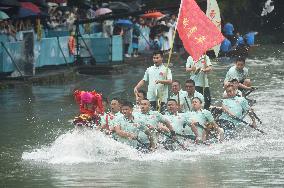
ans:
(191, 137)
(178, 142)
(140, 142)
(249, 124)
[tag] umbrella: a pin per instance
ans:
(40, 3)
(23, 12)
(3, 15)
(102, 11)
(13, 3)
(118, 7)
(153, 15)
(125, 23)
(30, 6)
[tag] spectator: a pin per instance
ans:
(126, 40)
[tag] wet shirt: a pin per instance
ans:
(180, 122)
(202, 116)
(155, 91)
(199, 77)
(233, 73)
(152, 118)
(131, 126)
(236, 105)
(189, 98)
(108, 119)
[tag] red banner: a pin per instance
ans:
(197, 32)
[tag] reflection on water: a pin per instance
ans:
(39, 148)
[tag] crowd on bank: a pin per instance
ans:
(138, 33)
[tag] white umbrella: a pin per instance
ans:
(102, 11)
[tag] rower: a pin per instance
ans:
(107, 120)
(180, 121)
(139, 96)
(178, 94)
(190, 94)
(202, 122)
(235, 83)
(233, 106)
(128, 130)
(239, 72)
(154, 120)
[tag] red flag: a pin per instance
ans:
(197, 32)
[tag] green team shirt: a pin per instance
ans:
(236, 105)
(180, 122)
(187, 101)
(155, 91)
(233, 73)
(108, 119)
(131, 126)
(152, 118)
(199, 77)
(201, 116)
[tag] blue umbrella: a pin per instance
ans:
(125, 23)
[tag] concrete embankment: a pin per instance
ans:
(64, 74)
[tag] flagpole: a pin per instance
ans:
(169, 57)
(173, 39)
(204, 78)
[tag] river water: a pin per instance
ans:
(40, 148)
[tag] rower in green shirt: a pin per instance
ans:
(234, 106)
(239, 72)
(155, 121)
(107, 119)
(202, 122)
(129, 130)
(180, 121)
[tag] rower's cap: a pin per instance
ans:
(86, 98)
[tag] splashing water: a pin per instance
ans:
(81, 146)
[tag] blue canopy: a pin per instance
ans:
(125, 23)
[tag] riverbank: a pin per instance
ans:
(65, 74)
